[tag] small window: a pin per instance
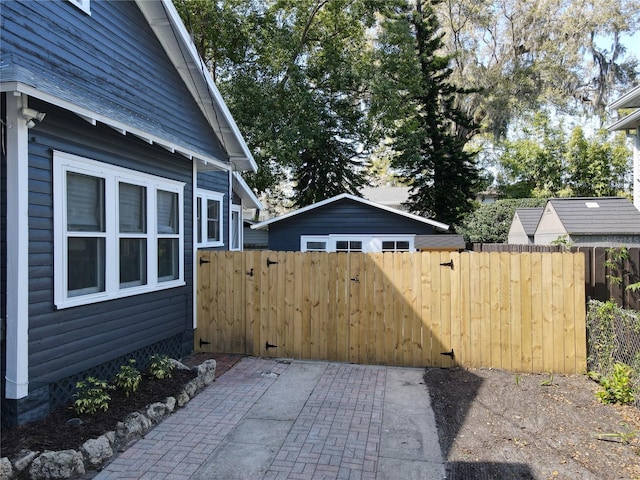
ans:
(348, 246)
(236, 227)
(210, 227)
(316, 243)
(395, 246)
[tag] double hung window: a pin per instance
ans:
(118, 232)
(209, 224)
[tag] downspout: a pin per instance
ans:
(17, 234)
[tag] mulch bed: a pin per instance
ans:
(55, 432)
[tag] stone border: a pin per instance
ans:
(94, 453)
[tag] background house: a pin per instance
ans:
(347, 223)
(118, 164)
(523, 225)
(595, 222)
(631, 125)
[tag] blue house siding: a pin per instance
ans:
(111, 57)
(66, 342)
(340, 217)
(3, 243)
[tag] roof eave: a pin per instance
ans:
(240, 186)
(630, 99)
(170, 30)
(628, 122)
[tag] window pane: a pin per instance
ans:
(167, 259)
(133, 262)
(213, 220)
(167, 212)
(355, 245)
(85, 203)
(403, 246)
(342, 245)
(236, 225)
(85, 266)
(319, 246)
(388, 246)
(133, 207)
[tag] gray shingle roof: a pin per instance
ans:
(529, 218)
(440, 241)
(604, 215)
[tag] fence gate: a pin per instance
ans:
(514, 311)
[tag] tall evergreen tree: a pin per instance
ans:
(416, 102)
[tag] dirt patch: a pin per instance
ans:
(494, 425)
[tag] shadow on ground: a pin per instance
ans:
(452, 393)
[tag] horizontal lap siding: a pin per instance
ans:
(71, 340)
(341, 217)
(114, 54)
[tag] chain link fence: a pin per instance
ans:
(613, 335)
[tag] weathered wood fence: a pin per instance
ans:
(520, 312)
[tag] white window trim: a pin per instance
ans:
(237, 209)
(65, 162)
(370, 243)
(84, 5)
(203, 196)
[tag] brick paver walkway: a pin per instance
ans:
(334, 433)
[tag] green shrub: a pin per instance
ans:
(128, 378)
(161, 366)
(91, 395)
(617, 388)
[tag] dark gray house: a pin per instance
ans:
(119, 160)
(593, 222)
(346, 223)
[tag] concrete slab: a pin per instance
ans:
(260, 431)
(237, 461)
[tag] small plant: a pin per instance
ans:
(564, 242)
(128, 378)
(161, 366)
(617, 388)
(518, 380)
(621, 437)
(547, 382)
(91, 395)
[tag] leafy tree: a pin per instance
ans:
(491, 222)
(295, 76)
(526, 54)
(415, 101)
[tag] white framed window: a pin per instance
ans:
(235, 228)
(310, 243)
(357, 243)
(209, 224)
(117, 232)
(84, 5)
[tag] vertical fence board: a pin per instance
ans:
(427, 312)
(515, 313)
(526, 359)
(537, 312)
(505, 314)
(547, 313)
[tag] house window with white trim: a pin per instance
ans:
(117, 232)
(396, 246)
(236, 227)
(313, 244)
(209, 224)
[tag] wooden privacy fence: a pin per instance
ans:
(522, 312)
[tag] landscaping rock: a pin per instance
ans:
(96, 450)
(6, 469)
(207, 371)
(156, 411)
(57, 465)
(170, 404)
(23, 460)
(182, 399)
(178, 364)
(191, 388)
(134, 425)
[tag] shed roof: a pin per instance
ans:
(529, 218)
(440, 241)
(441, 226)
(597, 215)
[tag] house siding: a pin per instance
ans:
(341, 217)
(68, 341)
(3, 244)
(115, 52)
